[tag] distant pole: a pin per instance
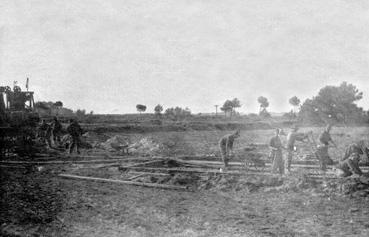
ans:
(27, 82)
(216, 110)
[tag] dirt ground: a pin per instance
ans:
(95, 209)
(38, 203)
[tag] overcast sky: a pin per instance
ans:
(109, 55)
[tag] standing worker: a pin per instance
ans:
(226, 147)
(44, 133)
(75, 130)
(41, 130)
(48, 134)
(350, 162)
(291, 138)
(56, 130)
(322, 149)
(276, 147)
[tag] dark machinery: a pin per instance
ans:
(18, 121)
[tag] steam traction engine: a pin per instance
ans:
(18, 121)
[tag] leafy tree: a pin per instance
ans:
(230, 106)
(80, 113)
(236, 103)
(141, 108)
(58, 104)
(52, 109)
(264, 104)
(42, 105)
(227, 107)
(295, 102)
(177, 113)
(158, 109)
(333, 103)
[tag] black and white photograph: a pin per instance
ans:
(184, 118)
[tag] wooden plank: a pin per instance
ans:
(145, 163)
(149, 173)
(230, 172)
(12, 167)
(193, 170)
(151, 185)
(56, 162)
(133, 165)
(136, 176)
(218, 163)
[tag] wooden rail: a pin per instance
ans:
(151, 185)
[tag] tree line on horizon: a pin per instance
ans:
(331, 104)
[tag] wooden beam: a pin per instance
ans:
(12, 167)
(151, 185)
(145, 163)
(57, 162)
(230, 172)
(219, 164)
(149, 173)
(136, 176)
(193, 170)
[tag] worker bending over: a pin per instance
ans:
(226, 147)
(350, 162)
(322, 149)
(292, 137)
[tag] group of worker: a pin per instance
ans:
(348, 165)
(48, 132)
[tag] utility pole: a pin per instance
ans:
(27, 82)
(216, 110)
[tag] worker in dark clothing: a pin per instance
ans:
(48, 134)
(325, 137)
(276, 147)
(41, 131)
(56, 130)
(44, 133)
(349, 164)
(75, 130)
(322, 149)
(226, 147)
